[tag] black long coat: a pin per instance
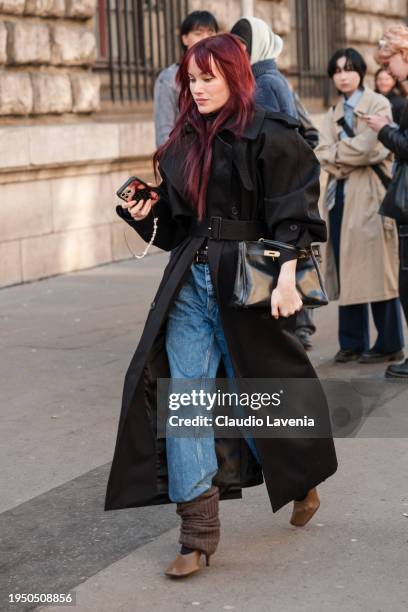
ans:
(269, 173)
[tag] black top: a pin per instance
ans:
(398, 103)
(396, 139)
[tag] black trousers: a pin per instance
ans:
(403, 271)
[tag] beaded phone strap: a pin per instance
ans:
(155, 223)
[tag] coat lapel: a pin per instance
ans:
(363, 106)
(240, 162)
(170, 163)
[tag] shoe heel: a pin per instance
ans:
(207, 560)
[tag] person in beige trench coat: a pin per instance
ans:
(361, 260)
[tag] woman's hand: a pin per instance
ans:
(139, 210)
(376, 122)
(285, 300)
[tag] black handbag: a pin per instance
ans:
(258, 271)
(395, 203)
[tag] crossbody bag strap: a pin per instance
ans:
(385, 180)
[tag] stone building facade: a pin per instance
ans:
(47, 49)
(63, 154)
(365, 22)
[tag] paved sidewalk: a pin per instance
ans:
(66, 343)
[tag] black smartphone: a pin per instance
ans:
(135, 189)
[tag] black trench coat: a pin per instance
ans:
(270, 174)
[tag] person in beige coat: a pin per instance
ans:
(361, 263)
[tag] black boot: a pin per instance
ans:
(398, 370)
(345, 355)
(373, 356)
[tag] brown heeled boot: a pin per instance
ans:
(305, 509)
(200, 531)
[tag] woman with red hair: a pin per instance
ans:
(230, 172)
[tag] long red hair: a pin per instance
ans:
(231, 59)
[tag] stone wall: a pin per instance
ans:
(277, 15)
(47, 50)
(274, 12)
(57, 195)
(366, 21)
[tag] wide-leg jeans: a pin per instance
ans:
(195, 344)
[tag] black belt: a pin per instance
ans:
(218, 228)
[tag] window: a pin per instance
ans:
(135, 39)
(317, 31)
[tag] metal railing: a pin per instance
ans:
(136, 38)
(318, 29)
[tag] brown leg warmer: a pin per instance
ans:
(200, 524)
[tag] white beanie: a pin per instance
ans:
(265, 43)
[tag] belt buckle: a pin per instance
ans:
(201, 256)
(215, 227)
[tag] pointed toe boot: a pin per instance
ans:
(184, 565)
(305, 509)
(200, 531)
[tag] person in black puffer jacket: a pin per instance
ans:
(393, 55)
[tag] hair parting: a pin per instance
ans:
(228, 53)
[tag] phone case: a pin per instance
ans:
(129, 190)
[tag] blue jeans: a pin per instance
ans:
(195, 344)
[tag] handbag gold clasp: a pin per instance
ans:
(271, 253)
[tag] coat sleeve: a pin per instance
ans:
(326, 150)
(365, 149)
(395, 140)
(165, 106)
(290, 177)
(170, 231)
